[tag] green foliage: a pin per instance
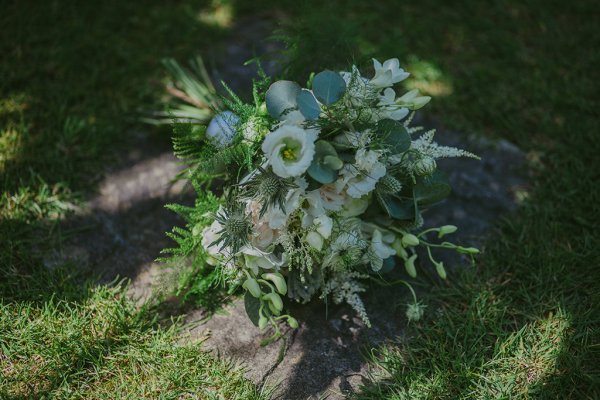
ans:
(328, 87)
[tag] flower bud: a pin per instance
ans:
(400, 250)
(278, 280)
(275, 300)
(446, 230)
(410, 240)
(292, 322)
(467, 250)
(252, 286)
(415, 311)
(425, 166)
(420, 102)
(262, 322)
(409, 265)
(439, 267)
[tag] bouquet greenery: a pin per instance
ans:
(308, 192)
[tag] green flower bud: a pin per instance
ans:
(439, 267)
(446, 230)
(425, 166)
(400, 250)
(409, 265)
(262, 322)
(410, 240)
(292, 322)
(252, 286)
(415, 311)
(467, 250)
(275, 300)
(278, 280)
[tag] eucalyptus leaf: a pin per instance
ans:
(396, 208)
(252, 305)
(394, 134)
(281, 97)
(388, 265)
(321, 168)
(307, 104)
(432, 189)
(328, 87)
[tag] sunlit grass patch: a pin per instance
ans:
(100, 346)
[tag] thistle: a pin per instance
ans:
(237, 228)
(268, 189)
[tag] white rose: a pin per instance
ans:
(290, 150)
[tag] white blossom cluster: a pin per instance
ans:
(332, 197)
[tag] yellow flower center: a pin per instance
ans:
(288, 154)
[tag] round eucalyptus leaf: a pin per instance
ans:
(281, 98)
(388, 265)
(322, 173)
(328, 87)
(307, 104)
(394, 134)
(432, 189)
(252, 306)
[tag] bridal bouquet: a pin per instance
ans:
(309, 192)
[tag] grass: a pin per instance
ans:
(94, 344)
(524, 324)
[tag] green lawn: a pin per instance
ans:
(524, 324)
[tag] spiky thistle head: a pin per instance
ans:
(268, 189)
(237, 228)
(389, 185)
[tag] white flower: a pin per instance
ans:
(355, 207)
(379, 247)
(221, 128)
(312, 205)
(290, 150)
(263, 235)
(255, 259)
(388, 73)
(276, 217)
(210, 234)
(333, 199)
(413, 100)
(324, 226)
(315, 240)
(361, 178)
(388, 106)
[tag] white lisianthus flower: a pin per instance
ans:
(290, 150)
(221, 128)
(360, 178)
(379, 247)
(388, 106)
(388, 74)
(324, 225)
(333, 199)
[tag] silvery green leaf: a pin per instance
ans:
(328, 87)
(432, 189)
(396, 208)
(307, 104)
(321, 169)
(388, 265)
(394, 134)
(281, 98)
